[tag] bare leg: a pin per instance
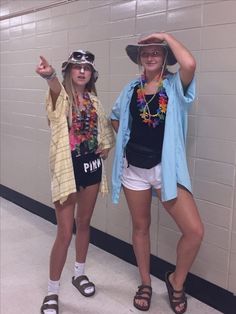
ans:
(86, 203)
(184, 211)
(65, 220)
(139, 203)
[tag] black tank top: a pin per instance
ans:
(141, 133)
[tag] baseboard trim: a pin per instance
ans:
(212, 295)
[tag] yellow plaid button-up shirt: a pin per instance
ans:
(61, 167)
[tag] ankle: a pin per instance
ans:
(79, 269)
(146, 281)
(53, 287)
(175, 282)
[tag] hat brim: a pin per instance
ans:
(133, 52)
(66, 63)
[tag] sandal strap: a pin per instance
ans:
(144, 286)
(87, 285)
(144, 295)
(175, 300)
(46, 306)
(49, 307)
(181, 299)
(52, 297)
(141, 290)
(82, 286)
(81, 278)
(139, 297)
(141, 293)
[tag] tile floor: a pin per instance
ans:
(26, 241)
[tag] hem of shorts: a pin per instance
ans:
(134, 189)
(85, 186)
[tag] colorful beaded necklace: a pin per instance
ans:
(84, 125)
(153, 120)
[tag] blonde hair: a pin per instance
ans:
(69, 87)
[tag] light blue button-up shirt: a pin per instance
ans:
(173, 162)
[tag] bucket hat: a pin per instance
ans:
(134, 50)
(80, 57)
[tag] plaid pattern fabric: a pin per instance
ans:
(61, 167)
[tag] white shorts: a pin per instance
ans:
(138, 179)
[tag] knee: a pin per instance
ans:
(141, 229)
(83, 223)
(64, 236)
(200, 232)
(197, 233)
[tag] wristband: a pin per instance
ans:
(49, 77)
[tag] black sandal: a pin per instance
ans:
(144, 293)
(77, 283)
(45, 306)
(176, 301)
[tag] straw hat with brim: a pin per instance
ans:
(133, 52)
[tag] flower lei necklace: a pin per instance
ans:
(152, 120)
(84, 125)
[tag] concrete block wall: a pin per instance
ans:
(55, 28)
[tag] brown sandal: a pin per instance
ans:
(82, 287)
(46, 306)
(175, 301)
(142, 294)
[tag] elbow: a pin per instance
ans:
(191, 65)
(189, 68)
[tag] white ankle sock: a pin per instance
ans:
(79, 271)
(53, 288)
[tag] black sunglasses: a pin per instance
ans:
(78, 55)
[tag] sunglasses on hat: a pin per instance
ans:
(82, 56)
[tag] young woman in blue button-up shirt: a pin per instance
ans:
(150, 118)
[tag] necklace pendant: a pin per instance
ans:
(152, 120)
(143, 115)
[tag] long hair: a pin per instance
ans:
(69, 87)
(68, 84)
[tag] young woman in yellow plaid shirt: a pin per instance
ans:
(81, 137)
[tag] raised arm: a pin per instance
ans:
(46, 71)
(184, 57)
